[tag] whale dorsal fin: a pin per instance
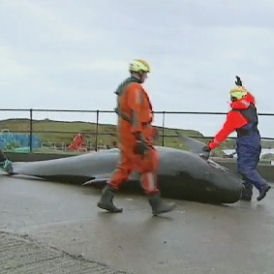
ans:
(193, 145)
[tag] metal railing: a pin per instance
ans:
(97, 118)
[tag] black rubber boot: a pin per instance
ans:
(247, 192)
(106, 200)
(263, 192)
(158, 206)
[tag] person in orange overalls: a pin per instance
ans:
(136, 139)
(78, 143)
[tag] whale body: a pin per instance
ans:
(181, 174)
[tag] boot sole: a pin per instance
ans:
(110, 209)
(164, 211)
(259, 199)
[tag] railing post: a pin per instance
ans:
(163, 126)
(97, 129)
(30, 129)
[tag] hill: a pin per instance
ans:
(60, 133)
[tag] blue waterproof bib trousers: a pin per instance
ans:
(248, 151)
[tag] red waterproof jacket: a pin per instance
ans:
(234, 120)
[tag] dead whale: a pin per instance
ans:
(181, 174)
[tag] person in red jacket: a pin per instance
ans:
(136, 141)
(243, 119)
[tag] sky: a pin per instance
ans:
(67, 54)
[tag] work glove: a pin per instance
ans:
(205, 152)
(141, 147)
(238, 81)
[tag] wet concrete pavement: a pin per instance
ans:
(63, 223)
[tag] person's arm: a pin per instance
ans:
(134, 101)
(234, 120)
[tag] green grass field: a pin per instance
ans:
(57, 135)
(61, 133)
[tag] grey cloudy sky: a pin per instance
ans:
(69, 54)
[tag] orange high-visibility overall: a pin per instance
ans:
(135, 116)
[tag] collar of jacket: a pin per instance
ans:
(135, 79)
(243, 103)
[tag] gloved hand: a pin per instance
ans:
(141, 147)
(238, 81)
(206, 152)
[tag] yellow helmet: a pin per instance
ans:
(138, 65)
(238, 92)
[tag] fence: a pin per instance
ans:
(96, 133)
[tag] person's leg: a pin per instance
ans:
(120, 175)
(150, 186)
(122, 172)
(106, 201)
(248, 157)
(149, 183)
(247, 191)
